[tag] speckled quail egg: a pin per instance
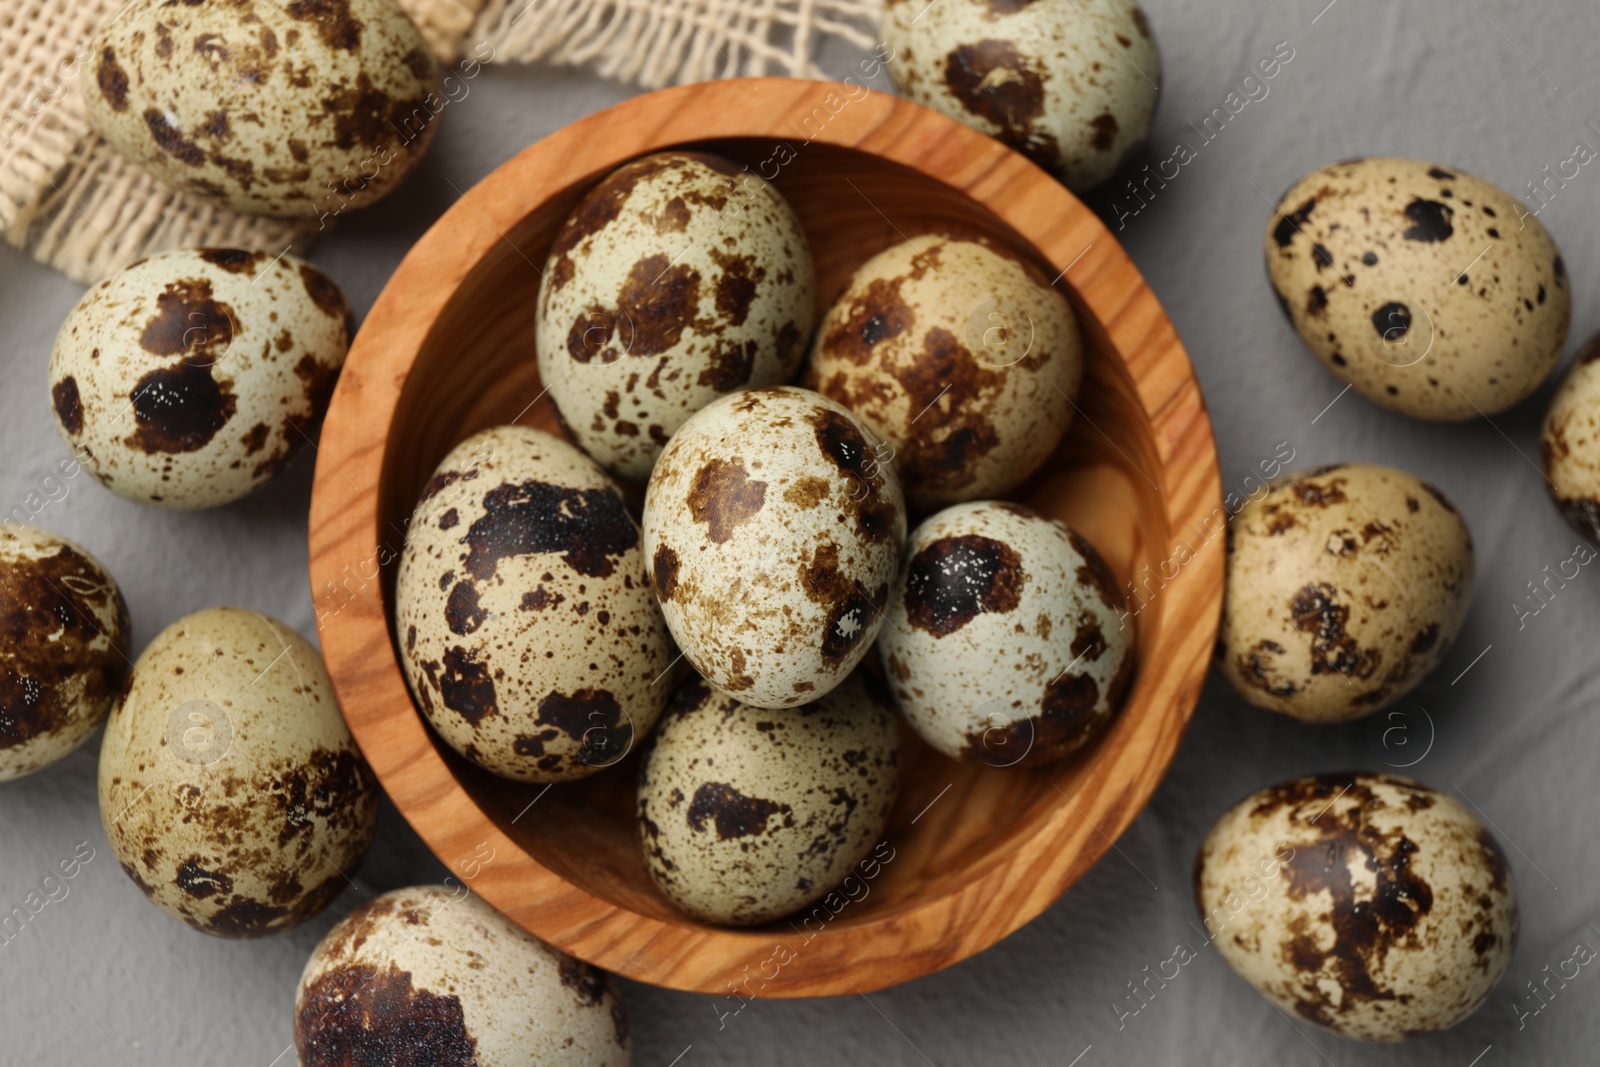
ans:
(772, 535)
(191, 378)
(1346, 585)
(303, 108)
(430, 975)
(749, 814)
(63, 647)
(531, 639)
(230, 788)
(1070, 83)
(962, 358)
(1430, 291)
(1369, 904)
(1008, 641)
(679, 278)
(1569, 446)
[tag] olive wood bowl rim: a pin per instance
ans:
(355, 630)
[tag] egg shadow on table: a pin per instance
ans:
(1134, 195)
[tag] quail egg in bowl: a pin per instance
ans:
(678, 279)
(772, 535)
(1008, 641)
(961, 357)
(530, 637)
(747, 814)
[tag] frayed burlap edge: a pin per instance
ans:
(653, 43)
(71, 202)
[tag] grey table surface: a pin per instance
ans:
(1497, 87)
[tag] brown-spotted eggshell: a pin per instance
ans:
(63, 647)
(191, 378)
(528, 631)
(230, 788)
(1569, 444)
(1346, 585)
(1008, 641)
(749, 814)
(1431, 292)
(278, 107)
(1369, 904)
(962, 358)
(1070, 83)
(678, 279)
(772, 536)
(430, 975)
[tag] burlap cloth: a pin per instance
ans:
(70, 201)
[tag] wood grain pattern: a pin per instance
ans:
(976, 852)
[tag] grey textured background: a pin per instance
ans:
(1499, 88)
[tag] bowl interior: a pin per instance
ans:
(953, 821)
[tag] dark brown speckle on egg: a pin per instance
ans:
(537, 650)
(1386, 912)
(747, 815)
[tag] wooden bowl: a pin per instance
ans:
(972, 853)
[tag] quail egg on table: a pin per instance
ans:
(772, 535)
(962, 358)
(1431, 292)
(1346, 585)
(430, 975)
(530, 637)
(749, 814)
(230, 788)
(679, 278)
(1369, 904)
(63, 647)
(1008, 641)
(1072, 84)
(1569, 445)
(191, 378)
(297, 109)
